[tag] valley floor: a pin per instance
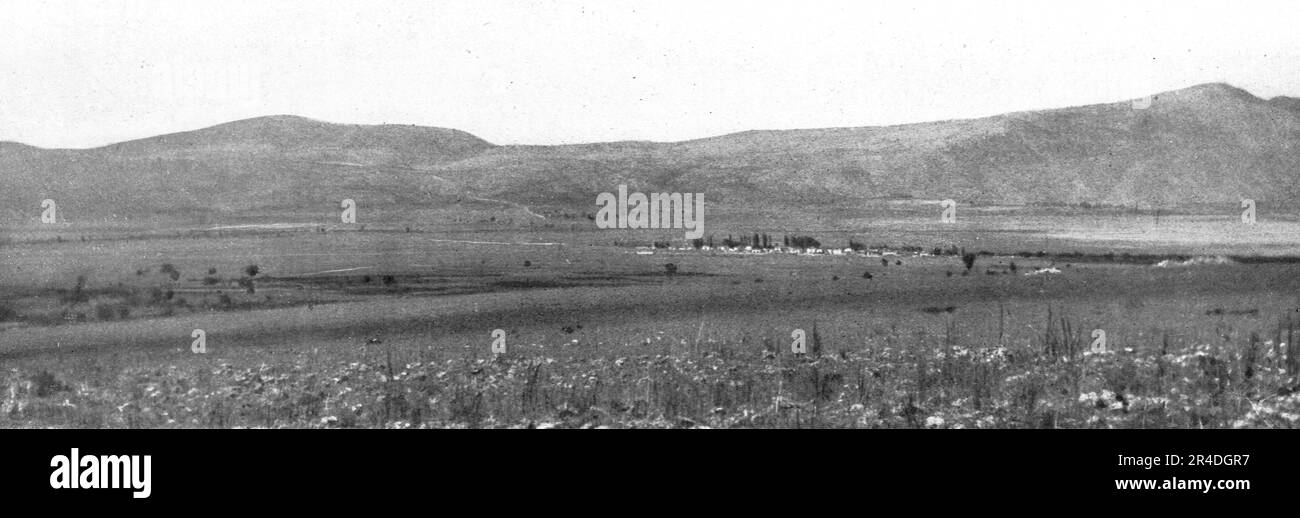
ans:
(396, 329)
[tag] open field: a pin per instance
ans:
(389, 327)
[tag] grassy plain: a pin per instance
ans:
(393, 327)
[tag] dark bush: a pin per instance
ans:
(44, 384)
(968, 259)
(804, 242)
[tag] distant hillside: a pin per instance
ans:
(1210, 143)
(1290, 103)
(290, 137)
(291, 164)
(1206, 144)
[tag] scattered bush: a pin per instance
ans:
(44, 384)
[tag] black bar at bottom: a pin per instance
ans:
(308, 469)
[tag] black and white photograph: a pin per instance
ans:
(574, 214)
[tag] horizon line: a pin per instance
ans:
(634, 141)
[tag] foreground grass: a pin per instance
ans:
(912, 385)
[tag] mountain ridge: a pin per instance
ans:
(1209, 143)
(1214, 88)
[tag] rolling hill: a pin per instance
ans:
(1210, 143)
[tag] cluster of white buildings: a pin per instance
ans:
(646, 250)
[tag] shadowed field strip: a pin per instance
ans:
(386, 316)
(549, 308)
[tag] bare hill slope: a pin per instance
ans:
(1210, 143)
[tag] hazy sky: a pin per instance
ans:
(81, 73)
